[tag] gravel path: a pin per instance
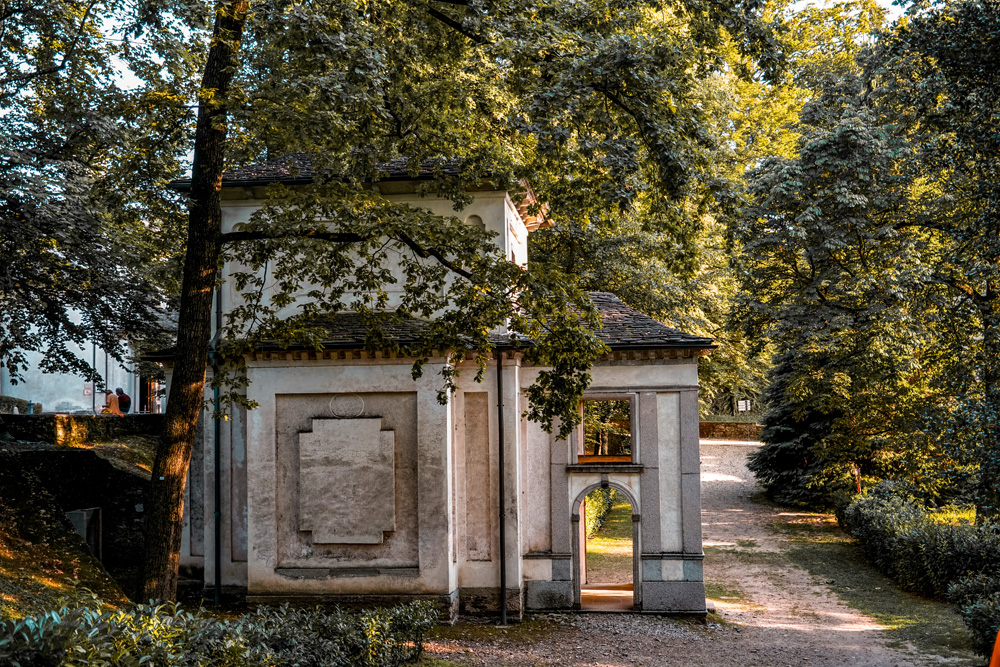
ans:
(774, 613)
(785, 615)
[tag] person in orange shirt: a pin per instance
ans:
(111, 405)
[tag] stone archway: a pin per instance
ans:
(578, 543)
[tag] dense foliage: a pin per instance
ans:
(598, 506)
(87, 239)
(978, 600)
(961, 562)
(869, 261)
(167, 636)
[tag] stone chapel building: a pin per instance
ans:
(352, 483)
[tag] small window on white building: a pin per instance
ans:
(476, 221)
(606, 431)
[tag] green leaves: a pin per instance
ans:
(871, 257)
(86, 233)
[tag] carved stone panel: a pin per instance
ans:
(347, 481)
(396, 495)
(478, 494)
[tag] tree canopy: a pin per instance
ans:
(870, 260)
(82, 225)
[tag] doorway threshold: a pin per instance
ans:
(606, 597)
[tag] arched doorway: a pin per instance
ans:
(608, 578)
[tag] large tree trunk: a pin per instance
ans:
(164, 520)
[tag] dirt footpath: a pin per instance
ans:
(771, 612)
(785, 616)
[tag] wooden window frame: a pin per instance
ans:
(579, 458)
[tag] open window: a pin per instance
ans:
(606, 435)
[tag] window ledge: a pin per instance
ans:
(605, 467)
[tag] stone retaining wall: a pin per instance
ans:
(80, 479)
(729, 431)
(74, 429)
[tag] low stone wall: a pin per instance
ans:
(8, 403)
(74, 429)
(729, 431)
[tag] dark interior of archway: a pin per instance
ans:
(607, 570)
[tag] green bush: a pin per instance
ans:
(165, 635)
(960, 562)
(599, 504)
(978, 600)
(8, 403)
(923, 556)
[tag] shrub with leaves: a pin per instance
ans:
(167, 636)
(599, 504)
(960, 561)
(899, 537)
(978, 600)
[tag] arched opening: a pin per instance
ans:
(606, 568)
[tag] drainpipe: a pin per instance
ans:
(216, 453)
(93, 379)
(500, 486)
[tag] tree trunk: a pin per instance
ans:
(164, 520)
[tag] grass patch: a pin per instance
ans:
(720, 591)
(609, 552)
(822, 549)
(953, 515)
(133, 453)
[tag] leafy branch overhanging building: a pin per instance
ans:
(351, 482)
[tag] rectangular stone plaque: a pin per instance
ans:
(347, 481)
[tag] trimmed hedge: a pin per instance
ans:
(165, 635)
(978, 600)
(959, 562)
(599, 504)
(8, 403)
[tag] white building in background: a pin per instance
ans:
(352, 483)
(70, 393)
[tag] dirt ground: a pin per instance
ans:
(770, 611)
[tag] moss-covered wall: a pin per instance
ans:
(75, 429)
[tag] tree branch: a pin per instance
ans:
(981, 302)
(62, 64)
(346, 237)
(453, 24)
(318, 234)
(432, 252)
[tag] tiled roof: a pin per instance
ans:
(624, 328)
(348, 330)
(628, 328)
(298, 168)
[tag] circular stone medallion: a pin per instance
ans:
(347, 405)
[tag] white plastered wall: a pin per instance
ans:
(494, 208)
(433, 428)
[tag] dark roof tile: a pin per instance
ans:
(298, 168)
(623, 328)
